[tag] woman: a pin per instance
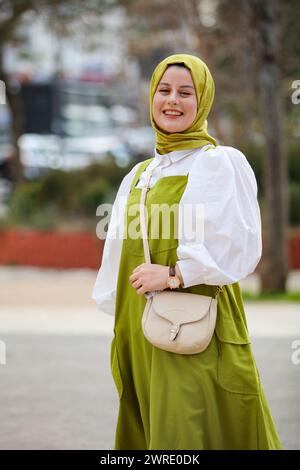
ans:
(214, 399)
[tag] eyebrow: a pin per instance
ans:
(181, 86)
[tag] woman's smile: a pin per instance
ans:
(172, 114)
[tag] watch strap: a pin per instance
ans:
(172, 271)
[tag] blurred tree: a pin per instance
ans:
(66, 14)
(266, 28)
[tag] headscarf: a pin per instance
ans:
(196, 135)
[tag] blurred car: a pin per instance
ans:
(78, 120)
(79, 152)
(38, 153)
(122, 115)
(140, 140)
(41, 152)
(85, 133)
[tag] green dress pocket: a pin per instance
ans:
(237, 371)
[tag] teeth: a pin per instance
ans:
(173, 113)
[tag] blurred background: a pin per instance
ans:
(74, 119)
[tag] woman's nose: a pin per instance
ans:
(173, 98)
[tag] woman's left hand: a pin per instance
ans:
(149, 277)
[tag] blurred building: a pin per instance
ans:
(79, 97)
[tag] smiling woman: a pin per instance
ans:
(213, 399)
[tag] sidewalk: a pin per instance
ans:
(57, 391)
(59, 302)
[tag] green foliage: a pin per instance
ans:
(294, 164)
(56, 188)
(60, 197)
(90, 196)
(294, 194)
(254, 154)
(292, 296)
(26, 201)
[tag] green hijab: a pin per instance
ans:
(196, 135)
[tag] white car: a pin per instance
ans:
(41, 152)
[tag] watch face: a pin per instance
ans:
(173, 283)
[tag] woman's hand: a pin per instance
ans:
(149, 277)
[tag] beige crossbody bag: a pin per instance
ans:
(177, 322)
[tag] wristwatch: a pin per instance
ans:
(173, 280)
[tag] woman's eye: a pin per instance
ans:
(182, 92)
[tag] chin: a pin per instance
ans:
(171, 129)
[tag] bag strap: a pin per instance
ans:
(145, 188)
(143, 216)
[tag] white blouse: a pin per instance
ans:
(230, 246)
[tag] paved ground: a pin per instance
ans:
(56, 388)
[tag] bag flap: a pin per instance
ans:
(179, 307)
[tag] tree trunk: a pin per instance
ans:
(274, 268)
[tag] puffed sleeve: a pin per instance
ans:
(104, 290)
(227, 244)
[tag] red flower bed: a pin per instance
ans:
(51, 249)
(294, 250)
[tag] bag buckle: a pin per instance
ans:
(174, 332)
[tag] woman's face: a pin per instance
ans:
(174, 105)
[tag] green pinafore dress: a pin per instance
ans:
(210, 400)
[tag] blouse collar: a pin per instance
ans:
(176, 155)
